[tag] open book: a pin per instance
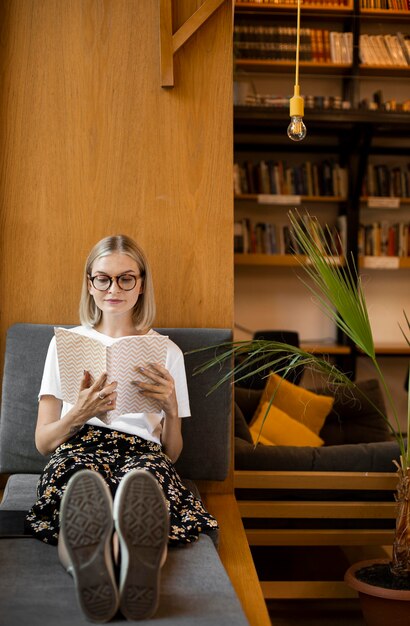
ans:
(120, 360)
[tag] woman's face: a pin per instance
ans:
(113, 300)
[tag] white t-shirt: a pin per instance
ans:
(145, 425)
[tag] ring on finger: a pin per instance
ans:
(101, 395)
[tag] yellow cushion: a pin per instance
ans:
(258, 437)
(308, 408)
(281, 430)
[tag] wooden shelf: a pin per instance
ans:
(384, 262)
(278, 260)
(384, 12)
(316, 199)
(402, 200)
(384, 70)
(322, 348)
(311, 67)
(392, 348)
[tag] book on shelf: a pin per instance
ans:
(387, 181)
(391, 50)
(278, 43)
(252, 237)
(329, 4)
(326, 178)
(386, 5)
(119, 360)
(383, 238)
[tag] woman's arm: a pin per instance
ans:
(162, 389)
(93, 399)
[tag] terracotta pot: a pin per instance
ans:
(380, 606)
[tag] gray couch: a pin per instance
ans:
(34, 588)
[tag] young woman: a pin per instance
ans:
(130, 459)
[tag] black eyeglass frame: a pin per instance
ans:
(112, 278)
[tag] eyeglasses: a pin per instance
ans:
(126, 282)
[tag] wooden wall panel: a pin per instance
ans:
(91, 145)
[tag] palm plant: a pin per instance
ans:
(338, 290)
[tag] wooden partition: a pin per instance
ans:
(91, 145)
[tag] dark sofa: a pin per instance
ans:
(34, 588)
(316, 506)
(353, 433)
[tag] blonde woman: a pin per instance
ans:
(111, 488)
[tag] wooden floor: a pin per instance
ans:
(315, 613)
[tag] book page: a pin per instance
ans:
(124, 358)
(120, 360)
(77, 353)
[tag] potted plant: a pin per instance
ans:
(338, 289)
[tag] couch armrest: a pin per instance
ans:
(237, 559)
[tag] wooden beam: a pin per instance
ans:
(237, 559)
(325, 537)
(166, 52)
(317, 510)
(195, 22)
(170, 42)
(252, 479)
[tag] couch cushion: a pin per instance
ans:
(211, 413)
(356, 418)
(275, 427)
(366, 457)
(301, 404)
(248, 401)
(35, 589)
(241, 427)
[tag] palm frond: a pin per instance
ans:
(338, 288)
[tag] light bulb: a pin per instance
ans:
(296, 128)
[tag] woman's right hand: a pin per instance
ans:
(95, 399)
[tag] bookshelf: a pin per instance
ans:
(346, 124)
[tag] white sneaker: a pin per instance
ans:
(142, 523)
(86, 525)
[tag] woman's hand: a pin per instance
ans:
(160, 387)
(95, 399)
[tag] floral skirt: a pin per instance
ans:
(112, 454)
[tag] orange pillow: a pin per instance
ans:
(308, 408)
(281, 430)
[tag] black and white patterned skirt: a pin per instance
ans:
(112, 454)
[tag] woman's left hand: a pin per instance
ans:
(160, 387)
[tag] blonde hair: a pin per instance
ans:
(144, 310)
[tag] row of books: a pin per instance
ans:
(326, 178)
(391, 50)
(321, 3)
(386, 5)
(394, 5)
(269, 238)
(387, 181)
(332, 103)
(279, 43)
(384, 239)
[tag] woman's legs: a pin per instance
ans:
(84, 451)
(142, 523)
(85, 543)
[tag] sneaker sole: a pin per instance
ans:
(87, 526)
(141, 521)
